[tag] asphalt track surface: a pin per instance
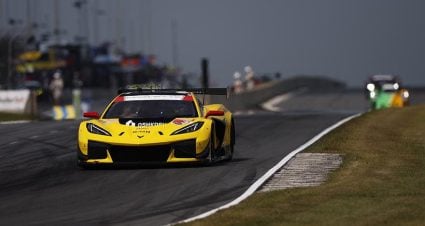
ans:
(40, 183)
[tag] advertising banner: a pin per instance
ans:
(14, 101)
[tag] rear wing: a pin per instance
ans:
(210, 91)
(203, 91)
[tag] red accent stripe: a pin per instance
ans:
(188, 98)
(119, 99)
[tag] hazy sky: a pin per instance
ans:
(344, 39)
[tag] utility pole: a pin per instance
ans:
(86, 20)
(118, 25)
(82, 21)
(205, 73)
(10, 59)
(95, 22)
(205, 79)
(174, 43)
(149, 26)
(143, 28)
(2, 17)
(29, 18)
(56, 29)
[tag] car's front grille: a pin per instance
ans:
(129, 154)
(140, 154)
(97, 150)
(185, 149)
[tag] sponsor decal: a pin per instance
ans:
(130, 123)
(188, 98)
(153, 97)
(14, 100)
(119, 99)
(142, 131)
(143, 124)
(179, 121)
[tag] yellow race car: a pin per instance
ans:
(157, 126)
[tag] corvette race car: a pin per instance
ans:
(157, 126)
(385, 91)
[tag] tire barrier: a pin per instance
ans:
(64, 112)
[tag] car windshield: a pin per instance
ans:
(161, 109)
(390, 87)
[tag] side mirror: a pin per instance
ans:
(214, 113)
(91, 114)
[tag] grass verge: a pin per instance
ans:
(13, 117)
(381, 182)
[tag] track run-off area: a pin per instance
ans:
(40, 183)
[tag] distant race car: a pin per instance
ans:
(385, 91)
(157, 126)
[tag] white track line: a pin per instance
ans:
(257, 184)
(270, 105)
(14, 122)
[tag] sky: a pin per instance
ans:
(348, 40)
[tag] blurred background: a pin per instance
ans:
(94, 44)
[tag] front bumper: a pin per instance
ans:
(179, 151)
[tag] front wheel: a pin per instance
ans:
(232, 141)
(211, 149)
(82, 165)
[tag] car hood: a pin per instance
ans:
(121, 127)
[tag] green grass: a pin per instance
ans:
(381, 181)
(13, 117)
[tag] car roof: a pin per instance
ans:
(137, 96)
(383, 78)
(132, 93)
(140, 90)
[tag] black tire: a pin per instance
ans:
(232, 140)
(373, 105)
(211, 155)
(82, 165)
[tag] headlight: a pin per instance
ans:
(406, 94)
(370, 87)
(188, 129)
(372, 95)
(396, 86)
(92, 128)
